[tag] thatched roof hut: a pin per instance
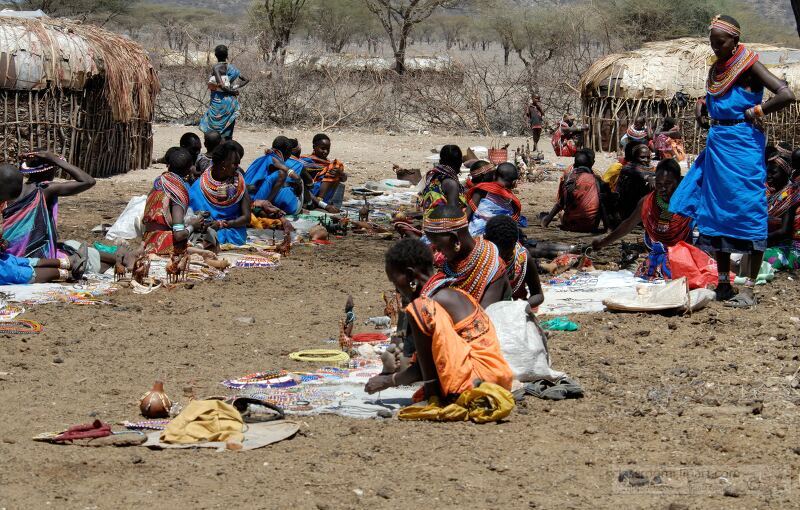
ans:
(78, 90)
(665, 78)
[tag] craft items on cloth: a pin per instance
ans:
(205, 421)
(584, 292)
(370, 338)
(269, 379)
(9, 312)
(320, 355)
(255, 410)
(19, 327)
(255, 261)
(523, 343)
(486, 403)
(155, 403)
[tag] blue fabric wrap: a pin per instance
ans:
(199, 202)
(725, 191)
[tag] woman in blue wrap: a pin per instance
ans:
(725, 190)
(222, 193)
(224, 108)
(269, 179)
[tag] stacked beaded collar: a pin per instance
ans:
(444, 225)
(222, 194)
(723, 75)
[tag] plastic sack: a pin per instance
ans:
(699, 268)
(523, 344)
(129, 223)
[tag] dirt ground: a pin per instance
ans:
(691, 404)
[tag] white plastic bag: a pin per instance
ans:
(522, 342)
(129, 223)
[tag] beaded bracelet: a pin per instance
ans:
(20, 327)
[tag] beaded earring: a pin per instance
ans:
(457, 247)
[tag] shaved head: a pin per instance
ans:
(10, 182)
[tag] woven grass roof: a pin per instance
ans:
(40, 53)
(661, 69)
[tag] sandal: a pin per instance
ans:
(725, 292)
(741, 301)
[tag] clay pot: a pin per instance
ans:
(155, 403)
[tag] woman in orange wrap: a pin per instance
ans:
(456, 343)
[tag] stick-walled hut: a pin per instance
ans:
(78, 90)
(666, 78)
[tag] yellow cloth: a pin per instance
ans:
(205, 421)
(486, 403)
(612, 174)
(264, 223)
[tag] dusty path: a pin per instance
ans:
(666, 397)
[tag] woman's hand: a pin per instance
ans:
(378, 383)
(702, 121)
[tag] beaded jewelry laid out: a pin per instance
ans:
(145, 424)
(10, 312)
(270, 379)
(20, 327)
(253, 261)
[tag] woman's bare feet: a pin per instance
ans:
(391, 359)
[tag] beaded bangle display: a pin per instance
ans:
(20, 327)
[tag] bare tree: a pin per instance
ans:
(275, 21)
(399, 17)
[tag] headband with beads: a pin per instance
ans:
(444, 225)
(483, 169)
(725, 26)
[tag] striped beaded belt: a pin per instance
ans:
(727, 122)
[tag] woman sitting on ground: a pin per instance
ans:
(270, 181)
(16, 270)
(653, 213)
(470, 264)
(455, 342)
(668, 141)
(783, 222)
(222, 192)
(165, 226)
(441, 183)
(634, 183)
(581, 197)
(662, 228)
(497, 198)
(522, 271)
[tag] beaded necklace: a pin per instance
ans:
(472, 275)
(664, 216)
(723, 75)
(519, 268)
(20, 327)
(222, 194)
(172, 184)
